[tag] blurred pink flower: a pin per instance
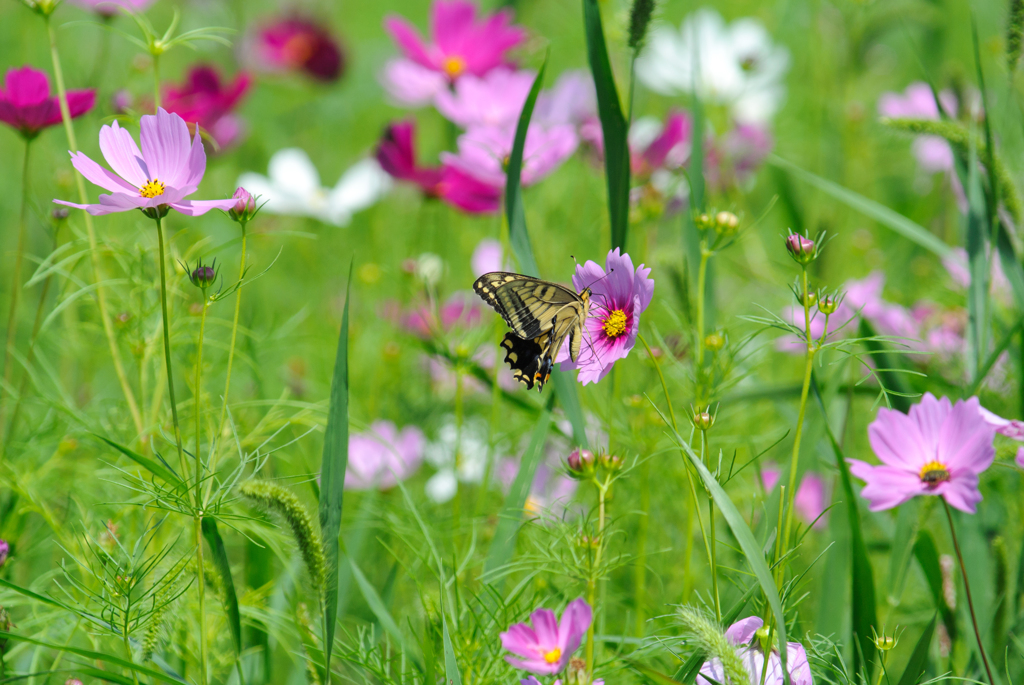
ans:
(1020, 457)
(26, 105)
(669, 149)
(411, 85)
(572, 100)
(810, 494)
(461, 45)
(5, 548)
(733, 158)
(166, 171)
(488, 256)
(937, 449)
(383, 455)
(299, 44)
(742, 634)
(396, 153)
(532, 680)
(547, 647)
(617, 300)
(1011, 428)
(461, 309)
(957, 266)
(550, 490)
(495, 99)
(203, 99)
(468, 193)
(108, 8)
(484, 152)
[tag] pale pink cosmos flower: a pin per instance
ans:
(545, 649)
(411, 85)
(166, 171)
(743, 634)
(550, 490)
(810, 498)
(937, 449)
(27, 106)
(956, 265)
(618, 297)
(493, 100)
(484, 152)
(108, 8)
(383, 455)
(461, 309)
(667, 148)
(572, 100)
(461, 44)
(1011, 428)
(488, 256)
(1019, 461)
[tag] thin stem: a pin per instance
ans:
(94, 253)
(702, 276)
(967, 590)
(201, 573)
(712, 556)
(128, 651)
(167, 353)
(640, 569)
(602, 491)
(661, 376)
(12, 319)
(156, 83)
(196, 400)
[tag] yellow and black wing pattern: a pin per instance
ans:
(541, 315)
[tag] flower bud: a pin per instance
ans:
(579, 460)
(828, 303)
(726, 223)
(801, 248)
(714, 341)
(59, 214)
(4, 549)
(245, 206)
(203, 276)
(702, 419)
(703, 221)
(883, 642)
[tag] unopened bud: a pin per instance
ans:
(726, 223)
(801, 248)
(714, 341)
(828, 303)
(703, 221)
(203, 275)
(59, 214)
(245, 206)
(579, 460)
(883, 642)
(702, 419)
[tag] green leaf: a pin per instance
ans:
(613, 125)
(220, 560)
(651, 674)
(569, 398)
(748, 544)
(451, 668)
(98, 656)
(332, 478)
(877, 211)
(380, 610)
(156, 468)
(919, 659)
(976, 243)
(98, 674)
(927, 556)
(902, 548)
(515, 213)
(864, 617)
(1010, 263)
(503, 546)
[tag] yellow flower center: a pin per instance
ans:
(554, 656)
(152, 188)
(933, 473)
(615, 324)
(454, 66)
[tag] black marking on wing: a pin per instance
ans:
(530, 363)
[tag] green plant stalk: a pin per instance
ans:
(967, 590)
(167, 354)
(640, 568)
(97, 269)
(19, 258)
(128, 649)
(702, 276)
(196, 401)
(602, 492)
(156, 82)
(713, 554)
(459, 420)
(200, 572)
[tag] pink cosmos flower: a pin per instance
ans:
(669, 149)
(956, 265)
(411, 85)
(4, 550)
(204, 100)
(937, 449)
(743, 634)
(299, 44)
(396, 153)
(461, 309)
(484, 151)
(617, 300)
(493, 100)
(461, 45)
(383, 455)
(166, 171)
(108, 8)
(1019, 460)
(810, 495)
(734, 157)
(26, 105)
(547, 647)
(488, 256)
(572, 100)
(465, 191)
(550, 490)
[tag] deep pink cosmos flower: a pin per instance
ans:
(547, 647)
(810, 495)
(468, 193)
(383, 455)
(669, 149)
(461, 44)
(205, 100)
(937, 449)
(396, 153)
(108, 8)
(617, 300)
(26, 105)
(166, 171)
(743, 634)
(299, 44)
(493, 100)
(484, 152)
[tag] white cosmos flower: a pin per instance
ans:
(292, 187)
(736, 65)
(472, 462)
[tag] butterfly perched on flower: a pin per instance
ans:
(541, 315)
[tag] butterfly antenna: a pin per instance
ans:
(596, 281)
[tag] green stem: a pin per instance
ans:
(967, 590)
(231, 357)
(640, 568)
(12, 319)
(167, 352)
(94, 253)
(201, 573)
(711, 525)
(128, 651)
(602, 491)
(196, 401)
(156, 83)
(702, 276)
(661, 376)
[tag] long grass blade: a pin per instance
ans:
(919, 658)
(451, 667)
(380, 610)
(162, 472)
(220, 561)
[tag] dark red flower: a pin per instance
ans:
(26, 104)
(396, 153)
(297, 44)
(203, 99)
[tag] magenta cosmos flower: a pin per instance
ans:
(461, 44)
(383, 455)
(668, 149)
(205, 100)
(26, 105)
(618, 297)
(743, 634)
(545, 649)
(160, 176)
(299, 44)
(396, 153)
(937, 449)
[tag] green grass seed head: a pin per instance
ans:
(709, 637)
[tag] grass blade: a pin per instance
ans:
(162, 472)
(380, 610)
(919, 658)
(977, 261)
(613, 125)
(451, 668)
(877, 211)
(332, 478)
(220, 560)
(927, 556)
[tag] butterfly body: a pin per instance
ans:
(541, 315)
